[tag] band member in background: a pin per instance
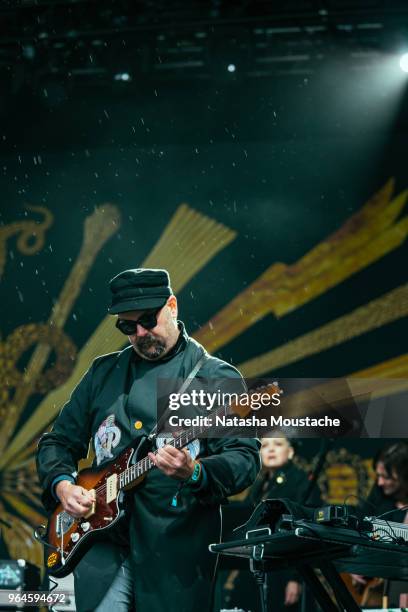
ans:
(279, 478)
(390, 492)
(161, 560)
(390, 495)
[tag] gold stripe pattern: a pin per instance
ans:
(389, 307)
(31, 234)
(190, 237)
(98, 228)
(364, 238)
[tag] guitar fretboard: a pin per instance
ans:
(132, 473)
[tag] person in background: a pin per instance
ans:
(159, 559)
(279, 478)
(390, 491)
(390, 495)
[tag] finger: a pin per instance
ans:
(156, 457)
(175, 452)
(88, 494)
(159, 462)
(169, 448)
(176, 458)
(82, 495)
(83, 506)
(77, 509)
(82, 500)
(163, 458)
(165, 465)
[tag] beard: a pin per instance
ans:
(150, 347)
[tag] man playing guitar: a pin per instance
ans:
(158, 558)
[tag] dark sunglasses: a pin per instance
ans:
(148, 320)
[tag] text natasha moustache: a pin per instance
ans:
(252, 421)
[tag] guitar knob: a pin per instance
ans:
(85, 526)
(75, 537)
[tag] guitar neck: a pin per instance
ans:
(132, 474)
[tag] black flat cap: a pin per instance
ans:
(139, 289)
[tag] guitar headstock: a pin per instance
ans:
(263, 396)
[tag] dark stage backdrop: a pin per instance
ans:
(288, 259)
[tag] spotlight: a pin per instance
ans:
(404, 62)
(122, 76)
(231, 68)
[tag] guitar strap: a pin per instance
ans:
(186, 383)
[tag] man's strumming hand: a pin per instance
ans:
(74, 499)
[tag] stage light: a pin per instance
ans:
(122, 76)
(404, 62)
(231, 67)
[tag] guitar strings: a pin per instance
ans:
(189, 435)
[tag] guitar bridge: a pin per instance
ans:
(63, 523)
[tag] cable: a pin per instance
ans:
(392, 535)
(365, 501)
(391, 511)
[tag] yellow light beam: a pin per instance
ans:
(397, 367)
(30, 515)
(99, 227)
(365, 237)
(385, 309)
(19, 539)
(190, 233)
(26, 452)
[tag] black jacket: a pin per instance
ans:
(168, 545)
(288, 481)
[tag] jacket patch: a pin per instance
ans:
(106, 438)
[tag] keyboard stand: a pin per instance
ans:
(310, 548)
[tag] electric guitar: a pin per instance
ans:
(66, 539)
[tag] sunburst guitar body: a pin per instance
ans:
(69, 538)
(66, 539)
